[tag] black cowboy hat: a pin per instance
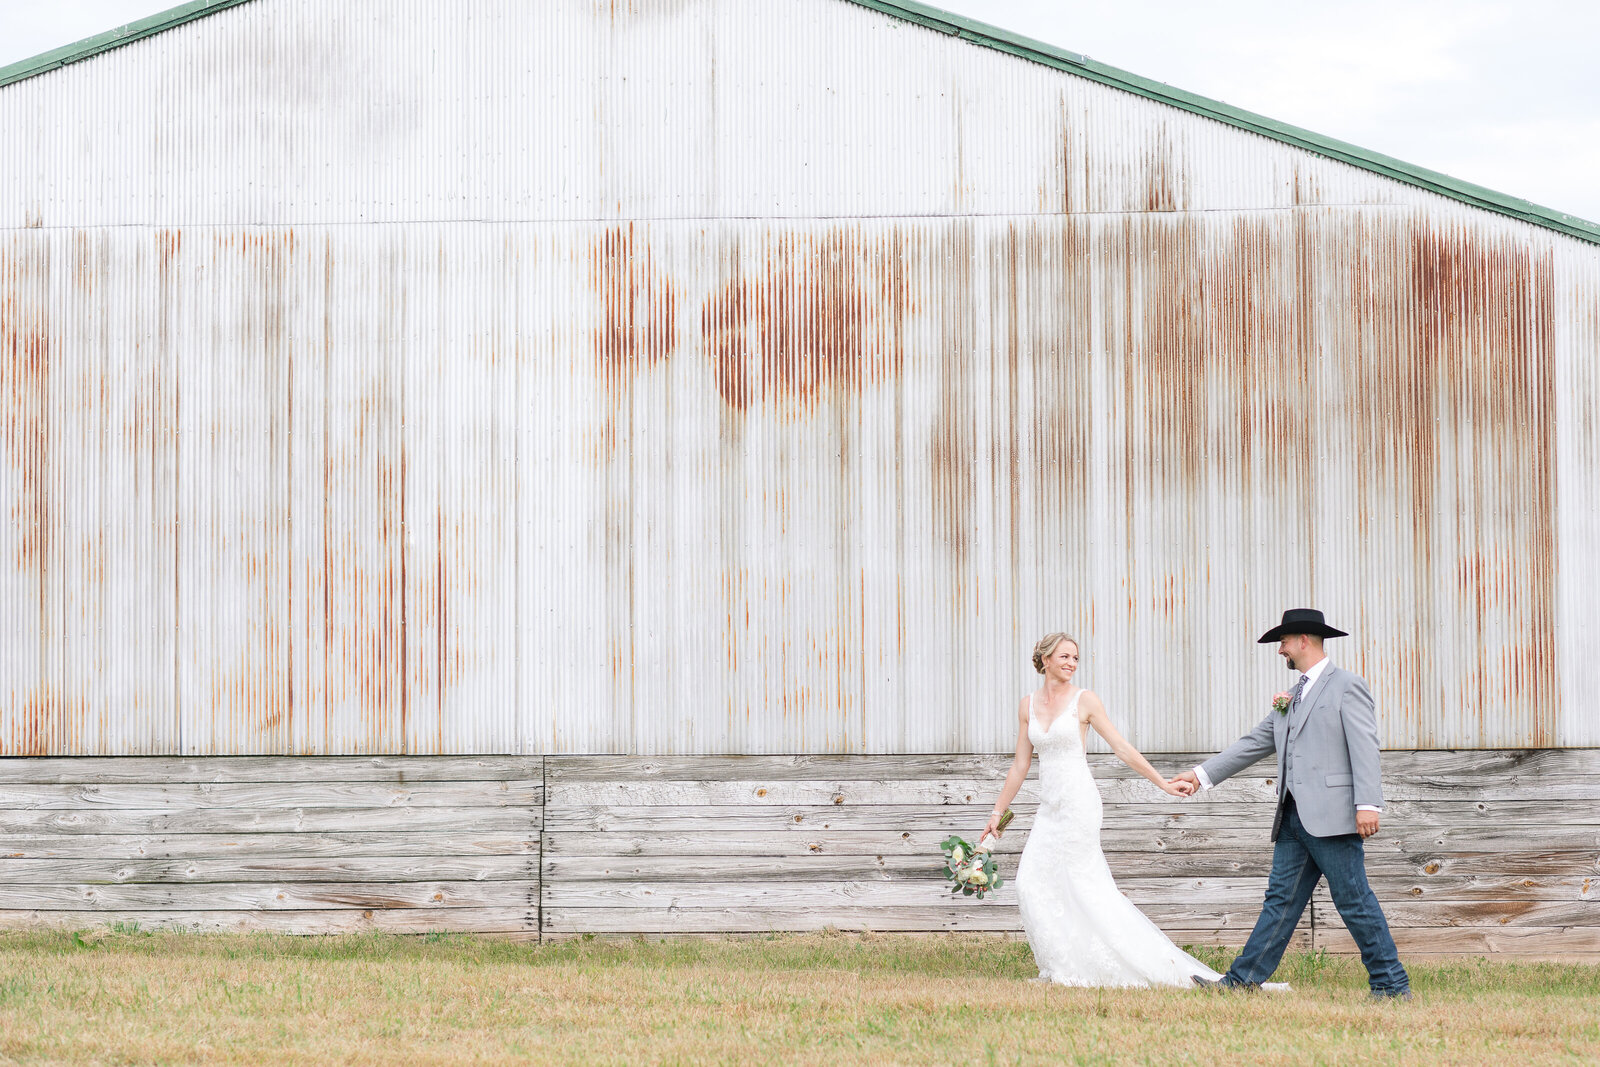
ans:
(1300, 621)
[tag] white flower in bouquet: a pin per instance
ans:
(972, 871)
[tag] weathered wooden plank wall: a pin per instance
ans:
(328, 845)
(1481, 852)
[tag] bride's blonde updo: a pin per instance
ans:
(1047, 644)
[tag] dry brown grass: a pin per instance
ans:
(135, 998)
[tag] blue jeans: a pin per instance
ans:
(1298, 860)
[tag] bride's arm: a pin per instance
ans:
(1014, 777)
(1095, 715)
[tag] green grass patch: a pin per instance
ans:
(140, 997)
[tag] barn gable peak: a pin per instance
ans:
(995, 38)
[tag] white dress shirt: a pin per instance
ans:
(1312, 673)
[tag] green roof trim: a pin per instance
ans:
(160, 22)
(987, 36)
(1049, 55)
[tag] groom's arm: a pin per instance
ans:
(1361, 740)
(1253, 746)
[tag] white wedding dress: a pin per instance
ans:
(1083, 931)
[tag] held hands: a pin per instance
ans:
(1182, 785)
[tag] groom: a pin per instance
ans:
(1329, 798)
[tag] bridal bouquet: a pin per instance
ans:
(972, 869)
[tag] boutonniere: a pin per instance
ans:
(1280, 703)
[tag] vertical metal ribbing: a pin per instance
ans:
(812, 426)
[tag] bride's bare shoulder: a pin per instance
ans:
(1088, 704)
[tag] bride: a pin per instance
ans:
(1082, 930)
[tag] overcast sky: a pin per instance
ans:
(1503, 93)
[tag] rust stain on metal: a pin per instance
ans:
(952, 445)
(361, 678)
(1072, 168)
(816, 317)
(1476, 398)
(42, 717)
(637, 328)
(28, 352)
(1168, 367)
(1240, 340)
(637, 305)
(1042, 314)
(1307, 187)
(1161, 176)
(45, 722)
(1401, 365)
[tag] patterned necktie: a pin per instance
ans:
(1300, 687)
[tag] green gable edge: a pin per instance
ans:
(1049, 55)
(1000, 40)
(149, 26)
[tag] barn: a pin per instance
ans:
(598, 466)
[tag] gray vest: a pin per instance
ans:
(1327, 751)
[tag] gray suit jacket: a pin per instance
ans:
(1334, 735)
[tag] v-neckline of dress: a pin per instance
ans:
(1071, 706)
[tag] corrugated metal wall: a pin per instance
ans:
(677, 377)
(406, 110)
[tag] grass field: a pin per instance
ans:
(141, 998)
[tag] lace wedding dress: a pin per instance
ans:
(1083, 931)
